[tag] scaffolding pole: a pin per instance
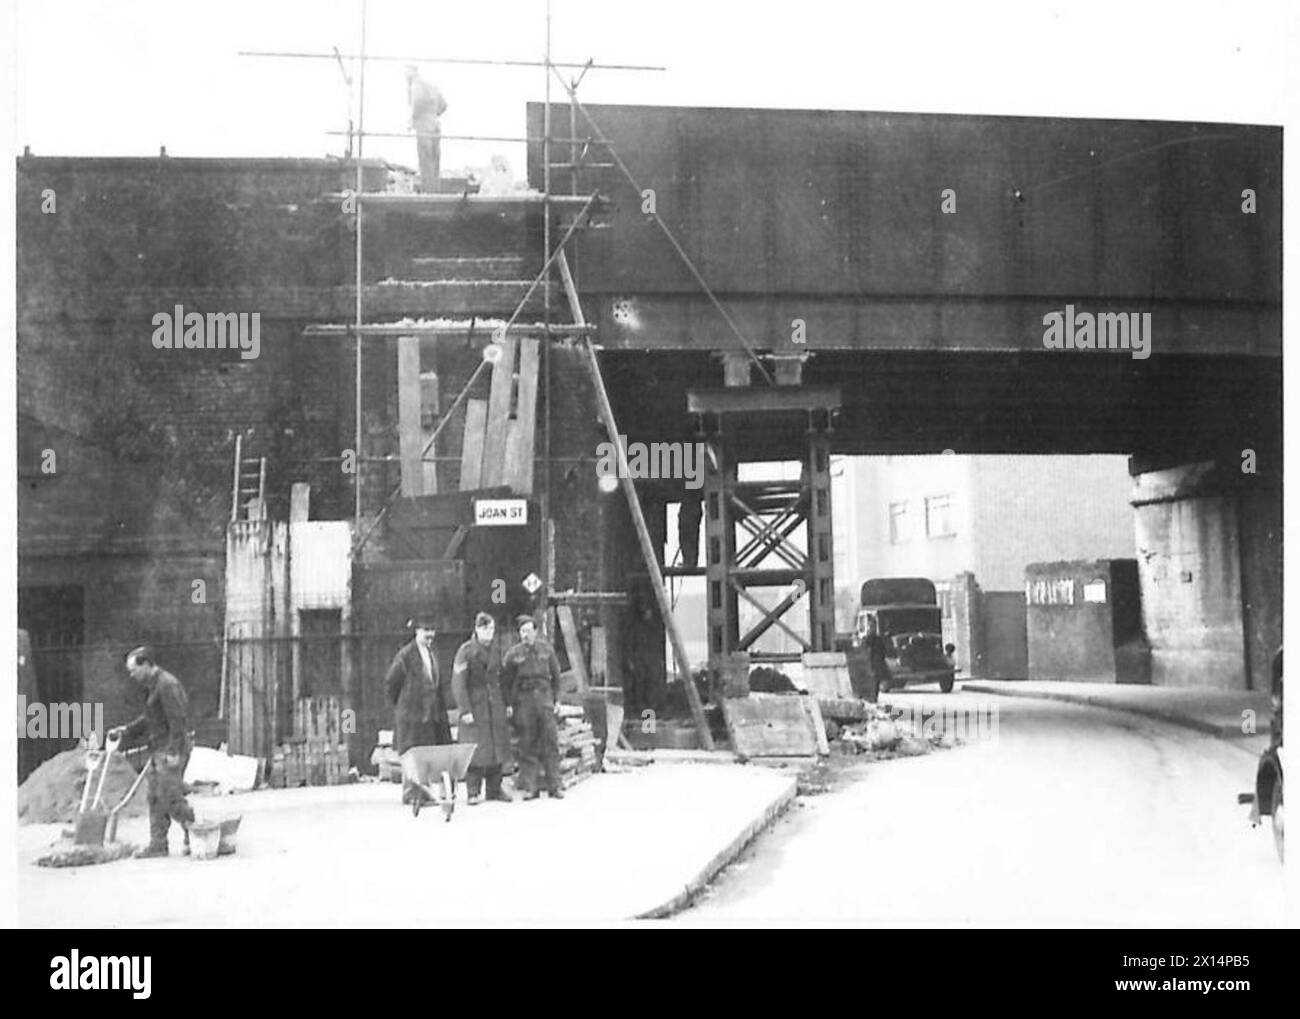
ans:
(547, 529)
(638, 517)
(481, 61)
(357, 345)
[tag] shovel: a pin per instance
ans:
(112, 814)
(91, 821)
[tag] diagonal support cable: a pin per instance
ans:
(672, 239)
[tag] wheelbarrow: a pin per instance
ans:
(93, 822)
(434, 771)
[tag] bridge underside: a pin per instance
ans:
(1184, 421)
(1165, 410)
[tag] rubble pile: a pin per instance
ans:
(52, 793)
(859, 727)
(765, 679)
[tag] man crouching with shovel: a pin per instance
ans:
(165, 725)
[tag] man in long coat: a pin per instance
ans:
(484, 716)
(418, 695)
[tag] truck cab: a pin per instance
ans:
(907, 615)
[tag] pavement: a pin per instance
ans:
(1228, 714)
(622, 845)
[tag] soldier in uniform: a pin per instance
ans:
(531, 676)
(165, 726)
(476, 683)
(418, 695)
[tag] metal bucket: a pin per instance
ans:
(229, 826)
(205, 840)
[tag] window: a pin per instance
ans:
(938, 516)
(899, 529)
(55, 620)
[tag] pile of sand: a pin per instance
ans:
(52, 793)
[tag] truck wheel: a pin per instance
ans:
(1278, 834)
(945, 684)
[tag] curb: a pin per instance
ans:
(700, 881)
(1173, 718)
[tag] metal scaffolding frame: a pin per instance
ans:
(579, 149)
(549, 202)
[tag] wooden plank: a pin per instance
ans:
(769, 725)
(782, 763)
(811, 706)
(410, 437)
(826, 674)
(299, 502)
(599, 653)
(430, 408)
(569, 630)
(522, 430)
(635, 757)
(457, 539)
(648, 552)
(498, 415)
(471, 454)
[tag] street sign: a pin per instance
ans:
(500, 512)
(532, 583)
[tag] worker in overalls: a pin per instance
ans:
(531, 676)
(484, 715)
(427, 106)
(165, 726)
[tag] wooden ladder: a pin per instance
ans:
(248, 494)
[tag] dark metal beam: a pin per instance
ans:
(768, 400)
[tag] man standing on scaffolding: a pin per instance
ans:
(427, 105)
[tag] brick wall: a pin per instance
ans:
(144, 438)
(139, 599)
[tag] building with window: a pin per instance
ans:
(975, 523)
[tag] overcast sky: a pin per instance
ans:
(122, 77)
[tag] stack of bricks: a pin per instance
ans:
(317, 753)
(577, 750)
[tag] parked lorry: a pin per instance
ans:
(908, 618)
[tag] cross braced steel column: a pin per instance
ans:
(749, 525)
(821, 550)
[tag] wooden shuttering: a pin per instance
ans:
(417, 410)
(499, 435)
(500, 432)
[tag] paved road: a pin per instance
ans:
(1073, 816)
